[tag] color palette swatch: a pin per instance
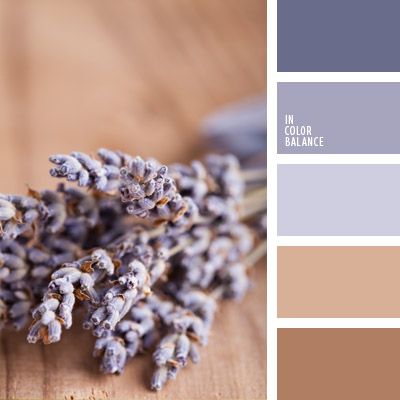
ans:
(338, 118)
(333, 199)
(334, 178)
(338, 364)
(338, 200)
(341, 35)
(338, 282)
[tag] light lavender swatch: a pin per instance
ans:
(338, 200)
(352, 118)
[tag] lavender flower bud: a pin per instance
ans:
(182, 349)
(103, 261)
(99, 315)
(139, 271)
(21, 210)
(83, 208)
(19, 309)
(165, 350)
(50, 304)
(146, 186)
(65, 287)
(68, 300)
(172, 371)
(41, 272)
(225, 170)
(67, 166)
(194, 353)
(37, 256)
(114, 357)
(111, 319)
(54, 331)
(34, 332)
(99, 346)
(159, 378)
(65, 314)
(7, 210)
(69, 274)
(235, 280)
(47, 317)
(89, 172)
(113, 158)
(53, 211)
(4, 272)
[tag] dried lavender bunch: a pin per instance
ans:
(199, 309)
(111, 294)
(142, 261)
(50, 228)
(189, 319)
(231, 281)
(180, 197)
(175, 230)
(145, 187)
(151, 192)
(181, 329)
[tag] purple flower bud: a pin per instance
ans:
(194, 353)
(47, 317)
(182, 349)
(54, 331)
(159, 378)
(19, 309)
(99, 315)
(33, 335)
(7, 210)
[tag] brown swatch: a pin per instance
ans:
(338, 364)
(338, 282)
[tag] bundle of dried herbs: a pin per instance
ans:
(147, 251)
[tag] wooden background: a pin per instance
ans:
(139, 76)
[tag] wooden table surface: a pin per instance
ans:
(138, 76)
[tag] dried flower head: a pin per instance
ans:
(131, 335)
(185, 330)
(16, 215)
(72, 281)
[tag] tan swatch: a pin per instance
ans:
(338, 282)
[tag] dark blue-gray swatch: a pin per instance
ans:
(340, 35)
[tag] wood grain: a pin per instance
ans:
(138, 76)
